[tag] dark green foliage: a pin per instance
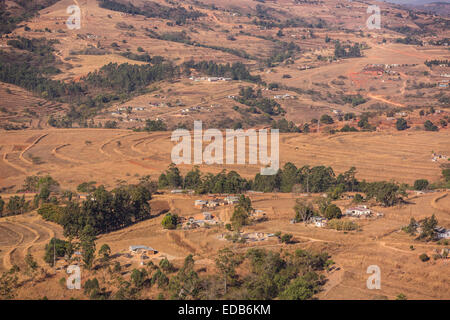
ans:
(155, 125)
(326, 119)
(170, 221)
(346, 50)
(284, 126)
(387, 193)
(273, 276)
(56, 248)
(303, 211)
(424, 257)
(428, 232)
(235, 71)
(87, 187)
(401, 124)
(430, 126)
(333, 212)
(105, 211)
(139, 277)
(152, 9)
(421, 184)
(16, 205)
(249, 97)
(128, 78)
(355, 100)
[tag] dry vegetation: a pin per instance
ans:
(318, 83)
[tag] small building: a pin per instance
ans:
(142, 249)
(231, 199)
(319, 221)
(176, 191)
(358, 211)
(200, 203)
(443, 233)
(207, 215)
(212, 204)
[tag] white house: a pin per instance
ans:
(200, 203)
(142, 249)
(358, 211)
(231, 199)
(319, 221)
(207, 215)
(443, 233)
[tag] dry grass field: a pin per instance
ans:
(74, 156)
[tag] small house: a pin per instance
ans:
(200, 203)
(207, 215)
(319, 221)
(140, 249)
(212, 204)
(231, 199)
(358, 211)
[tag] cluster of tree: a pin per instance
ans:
(430, 126)
(155, 125)
(16, 205)
(249, 97)
(272, 275)
(241, 212)
(103, 211)
(182, 37)
(152, 9)
(427, 228)
(347, 50)
(170, 221)
(223, 182)
(430, 63)
(282, 52)
(236, 71)
(355, 100)
(145, 57)
(128, 78)
(296, 22)
(10, 17)
(285, 126)
(401, 124)
(288, 179)
(364, 124)
(26, 70)
(409, 40)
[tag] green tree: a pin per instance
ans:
(333, 212)
(303, 210)
(226, 263)
(9, 284)
(105, 252)
(401, 124)
(2, 205)
(240, 217)
(139, 277)
(421, 184)
(170, 221)
(87, 241)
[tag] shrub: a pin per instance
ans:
(170, 221)
(421, 184)
(333, 212)
(424, 257)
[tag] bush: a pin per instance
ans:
(341, 225)
(424, 257)
(421, 184)
(401, 124)
(170, 221)
(333, 212)
(286, 238)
